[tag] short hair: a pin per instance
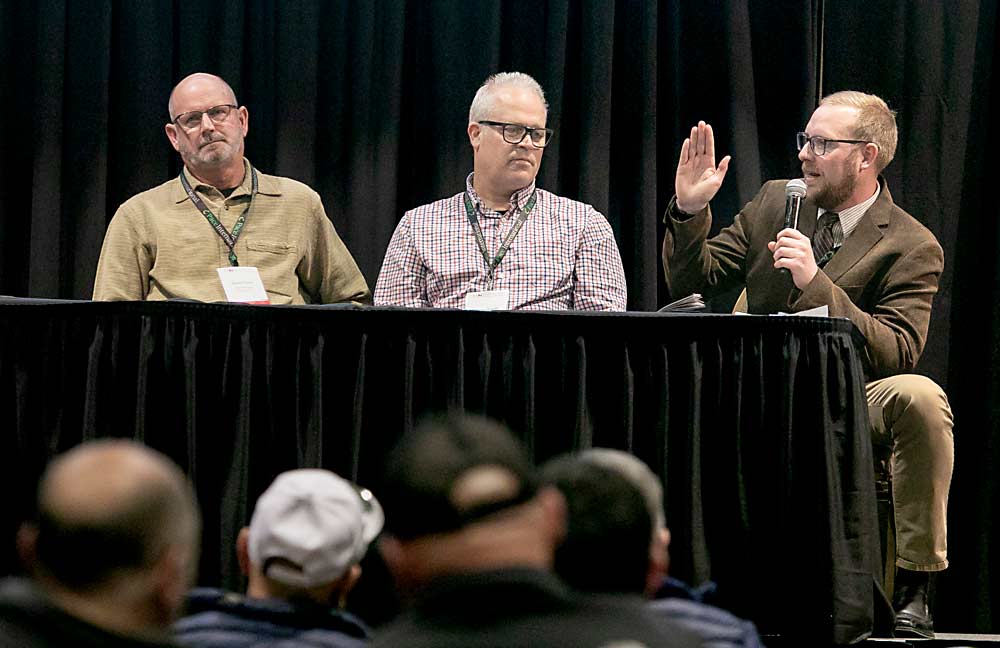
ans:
(482, 103)
(876, 123)
(140, 516)
(426, 473)
(608, 529)
(638, 474)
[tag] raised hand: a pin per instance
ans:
(698, 179)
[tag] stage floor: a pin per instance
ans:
(941, 640)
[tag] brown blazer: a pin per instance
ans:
(883, 278)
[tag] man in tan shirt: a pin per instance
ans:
(167, 242)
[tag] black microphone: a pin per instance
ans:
(795, 191)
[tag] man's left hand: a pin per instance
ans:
(793, 250)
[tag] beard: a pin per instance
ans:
(215, 153)
(218, 152)
(832, 196)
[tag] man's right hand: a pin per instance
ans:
(698, 179)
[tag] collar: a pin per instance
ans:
(868, 233)
(517, 199)
(267, 185)
(850, 217)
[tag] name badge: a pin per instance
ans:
(488, 300)
(243, 285)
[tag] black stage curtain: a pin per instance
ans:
(366, 101)
(717, 405)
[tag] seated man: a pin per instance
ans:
(111, 554)
(502, 243)
(616, 541)
(309, 531)
(223, 218)
(862, 256)
(470, 536)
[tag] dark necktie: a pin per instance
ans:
(824, 242)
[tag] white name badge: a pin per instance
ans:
(488, 300)
(243, 285)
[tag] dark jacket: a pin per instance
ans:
(689, 608)
(29, 620)
(524, 607)
(715, 627)
(220, 619)
(883, 278)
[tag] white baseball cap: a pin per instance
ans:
(318, 522)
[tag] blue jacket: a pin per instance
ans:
(220, 619)
(686, 607)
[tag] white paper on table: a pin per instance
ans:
(819, 311)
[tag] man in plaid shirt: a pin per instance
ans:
(504, 244)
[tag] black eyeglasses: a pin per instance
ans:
(514, 133)
(190, 121)
(818, 143)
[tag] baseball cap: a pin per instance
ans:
(310, 526)
(425, 488)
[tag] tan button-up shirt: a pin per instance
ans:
(159, 246)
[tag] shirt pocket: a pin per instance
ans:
(271, 247)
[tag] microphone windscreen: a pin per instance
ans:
(796, 187)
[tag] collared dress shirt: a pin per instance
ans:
(564, 258)
(850, 217)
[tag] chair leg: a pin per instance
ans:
(886, 523)
(889, 554)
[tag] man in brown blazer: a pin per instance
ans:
(858, 253)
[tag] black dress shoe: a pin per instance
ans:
(913, 616)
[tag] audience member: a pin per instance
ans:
(308, 533)
(111, 554)
(470, 537)
(616, 541)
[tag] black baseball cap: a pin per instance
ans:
(423, 492)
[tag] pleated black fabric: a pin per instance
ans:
(758, 426)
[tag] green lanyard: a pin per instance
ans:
(491, 265)
(220, 229)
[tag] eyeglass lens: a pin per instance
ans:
(192, 120)
(817, 142)
(514, 134)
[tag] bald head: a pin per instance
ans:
(110, 508)
(194, 86)
(207, 128)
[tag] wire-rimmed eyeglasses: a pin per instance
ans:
(190, 121)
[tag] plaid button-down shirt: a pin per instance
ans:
(564, 258)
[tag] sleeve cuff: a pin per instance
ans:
(674, 212)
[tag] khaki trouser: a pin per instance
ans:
(910, 414)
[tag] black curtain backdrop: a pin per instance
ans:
(366, 101)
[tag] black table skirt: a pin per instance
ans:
(757, 425)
